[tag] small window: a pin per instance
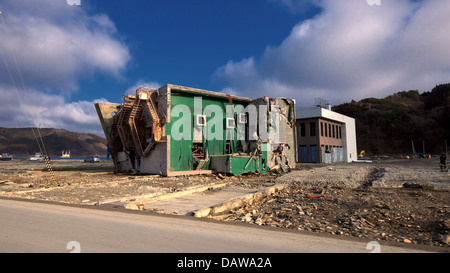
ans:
(242, 118)
(302, 129)
(321, 129)
(312, 128)
(326, 131)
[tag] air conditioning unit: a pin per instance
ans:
(199, 120)
(242, 118)
(230, 123)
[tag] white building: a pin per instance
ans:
(325, 136)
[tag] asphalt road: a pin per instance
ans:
(33, 227)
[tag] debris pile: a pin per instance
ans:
(417, 215)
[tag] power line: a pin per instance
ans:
(39, 140)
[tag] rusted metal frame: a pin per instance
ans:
(156, 122)
(121, 127)
(134, 132)
(123, 137)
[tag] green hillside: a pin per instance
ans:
(388, 125)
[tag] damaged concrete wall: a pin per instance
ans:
(280, 138)
(287, 129)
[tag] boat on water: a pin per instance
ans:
(65, 154)
(36, 157)
(5, 157)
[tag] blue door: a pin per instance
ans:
(307, 154)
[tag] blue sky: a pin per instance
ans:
(71, 56)
(184, 42)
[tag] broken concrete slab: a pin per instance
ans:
(145, 199)
(187, 204)
(237, 202)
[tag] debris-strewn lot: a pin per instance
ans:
(394, 201)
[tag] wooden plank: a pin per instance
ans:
(178, 173)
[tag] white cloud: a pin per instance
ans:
(297, 6)
(142, 83)
(351, 50)
(38, 109)
(55, 45)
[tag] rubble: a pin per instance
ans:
(342, 207)
(339, 214)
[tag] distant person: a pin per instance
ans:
(443, 163)
(108, 151)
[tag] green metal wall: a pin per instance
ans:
(181, 158)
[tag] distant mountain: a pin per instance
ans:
(387, 126)
(22, 142)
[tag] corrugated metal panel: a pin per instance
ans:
(336, 155)
(339, 154)
(326, 157)
(307, 154)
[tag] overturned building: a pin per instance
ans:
(176, 130)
